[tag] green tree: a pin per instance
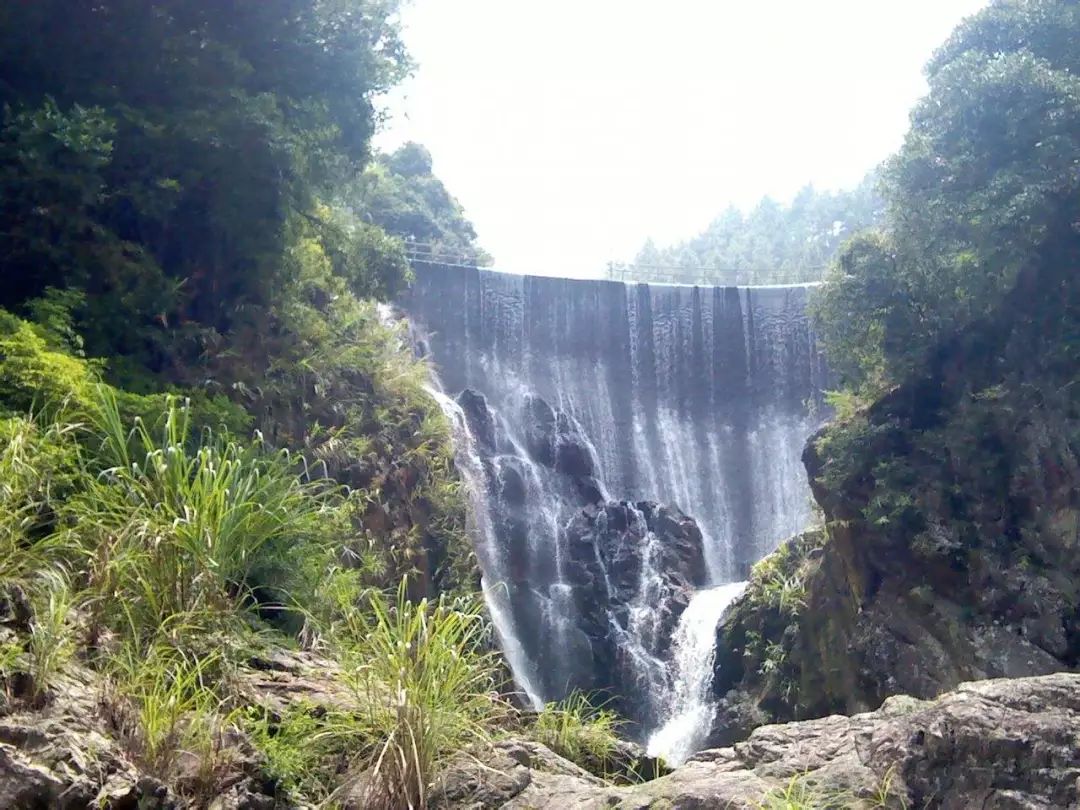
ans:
(167, 143)
(985, 188)
(399, 193)
(771, 243)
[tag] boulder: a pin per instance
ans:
(1009, 743)
(625, 557)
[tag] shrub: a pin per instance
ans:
(425, 688)
(574, 728)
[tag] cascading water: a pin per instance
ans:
(481, 527)
(697, 397)
(691, 709)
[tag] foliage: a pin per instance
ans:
(152, 154)
(175, 277)
(327, 373)
(52, 642)
(802, 792)
(984, 185)
(778, 581)
(425, 686)
(176, 528)
(771, 243)
(166, 708)
(37, 465)
(301, 747)
(399, 193)
(574, 728)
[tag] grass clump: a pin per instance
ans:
(579, 731)
(170, 710)
(425, 686)
(302, 748)
(37, 468)
(801, 792)
(179, 527)
(52, 637)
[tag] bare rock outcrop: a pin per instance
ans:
(991, 744)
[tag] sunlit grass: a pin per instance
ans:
(176, 525)
(576, 729)
(425, 689)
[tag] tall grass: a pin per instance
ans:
(576, 729)
(52, 637)
(167, 707)
(36, 460)
(182, 526)
(425, 687)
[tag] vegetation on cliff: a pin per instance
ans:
(217, 458)
(948, 478)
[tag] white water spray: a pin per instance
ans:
(481, 527)
(692, 707)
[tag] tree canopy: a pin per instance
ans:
(399, 193)
(771, 243)
(985, 187)
(154, 153)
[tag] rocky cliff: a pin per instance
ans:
(952, 542)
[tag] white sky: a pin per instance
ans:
(571, 130)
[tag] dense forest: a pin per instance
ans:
(769, 244)
(235, 567)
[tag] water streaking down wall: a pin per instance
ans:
(698, 397)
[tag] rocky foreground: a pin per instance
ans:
(991, 744)
(1010, 743)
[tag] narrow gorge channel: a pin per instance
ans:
(631, 451)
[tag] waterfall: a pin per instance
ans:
(691, 708)
(481, 527)
(697, 398)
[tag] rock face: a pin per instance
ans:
(632, 569)
(993, 744)
(594, 587)
(953, 543)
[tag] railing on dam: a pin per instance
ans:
(711, 276)
(630, 273)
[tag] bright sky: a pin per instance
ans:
(571, 130)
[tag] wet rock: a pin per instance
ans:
(555, 441)
(1012, 743)
(626, 557)
(590, 489)
(540, 430)
(478, 415)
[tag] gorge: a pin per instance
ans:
(632, 451)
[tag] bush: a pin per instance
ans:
(425, 687)
(574, 728)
